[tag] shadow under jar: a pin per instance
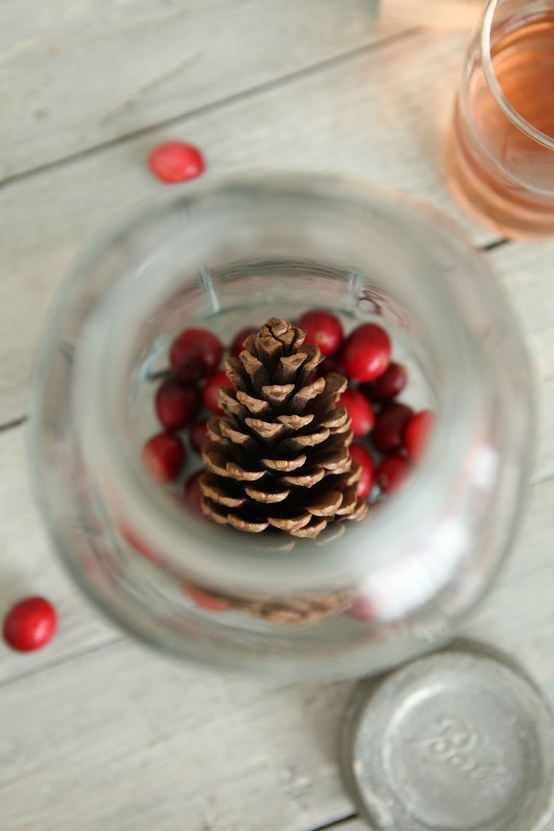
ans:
(229, 257)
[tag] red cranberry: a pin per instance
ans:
(164, 456)
(331, 364)
(391, 473)
(175, 161)
(193, 494)
(205, 600)
(30, 624)
(388, 385)
(417, 432)
(211, 389)
(199, 436)
(363, 457)
(387, 434)
(195, 354)
(177, 404)
(323, 328)
(366, 353)
(359, 409)
(238, 342)
(362, 608)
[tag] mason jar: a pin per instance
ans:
(395, 584)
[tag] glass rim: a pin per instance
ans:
(494, 84)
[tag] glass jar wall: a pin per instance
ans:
(229, 257)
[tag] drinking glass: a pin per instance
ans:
(500, 148)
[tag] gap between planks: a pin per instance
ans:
(13, 424)
(346, 823)
(115, 639)
(213, 106)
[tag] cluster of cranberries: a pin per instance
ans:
(389, 435)
(183, 402)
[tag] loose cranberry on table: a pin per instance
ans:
(391, 473)
(323, 328)
(388, 385)
(366, 352)
(195, 354)
(176, 161)
(416, 433)
(388, 433)
(237, 345)
(199, 437)
(359, 409)
(177, 404)
(164, 456)
(359, 454)
(210, 391)
(30, 624)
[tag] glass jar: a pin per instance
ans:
(398, 582)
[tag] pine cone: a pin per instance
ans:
(278, 459)
(284, 611)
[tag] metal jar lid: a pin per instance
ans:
(454, 741)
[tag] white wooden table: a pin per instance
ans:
(96, 733)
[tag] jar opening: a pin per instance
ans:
(391, 587)
(235, 258)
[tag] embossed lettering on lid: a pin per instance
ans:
(454, 741)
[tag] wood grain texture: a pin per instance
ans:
(125, 740)
(444, 15)
(121, 738)
(378, 116)
(28, 566)
(74, 75)
(97, 733)
(526, 271)
(517, 614)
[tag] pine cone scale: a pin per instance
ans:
(290, 524)
(253, 405)
(266, 497)
(286, 465)
(327, 505)
(265, 429)
(288, 367)
(305, 394)
(306, 480)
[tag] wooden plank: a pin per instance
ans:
(76, 75)
(526, 270)
(28, 566)
(122, 738)
(516, 617)
(166, 746)
(378, 117)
